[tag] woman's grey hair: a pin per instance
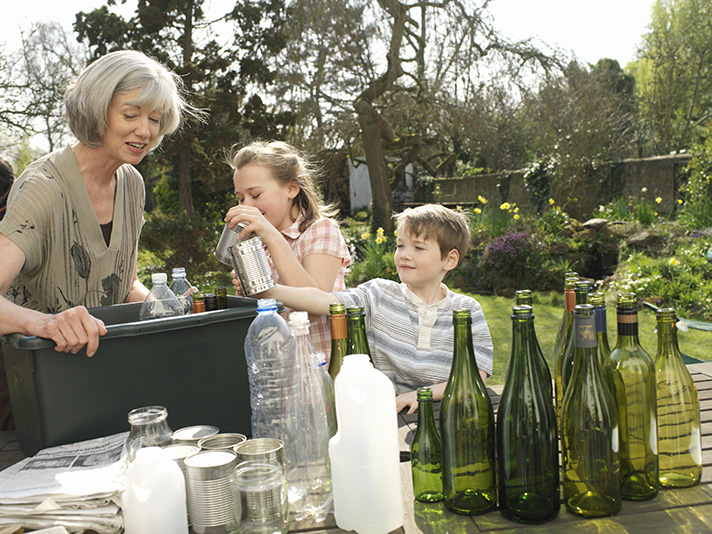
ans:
(87, 99)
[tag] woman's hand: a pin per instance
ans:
(71, 330)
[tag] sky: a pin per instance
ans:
(592, 30)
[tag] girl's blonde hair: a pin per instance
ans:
(287, 164)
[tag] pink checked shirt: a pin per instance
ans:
(322, 237)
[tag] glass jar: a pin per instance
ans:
(149, 428)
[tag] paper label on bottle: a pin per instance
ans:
(585, 332)
(569, 299)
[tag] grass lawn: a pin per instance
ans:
(548, 310)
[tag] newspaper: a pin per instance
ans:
(76, 486)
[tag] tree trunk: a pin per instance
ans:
(185, 191)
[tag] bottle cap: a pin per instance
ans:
(178, 271)
(158, 278)
(266, 305)
(298, 318)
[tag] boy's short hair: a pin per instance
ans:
(433, 221)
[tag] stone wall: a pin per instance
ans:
(662, 176)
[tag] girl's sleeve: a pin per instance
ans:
(324, 237)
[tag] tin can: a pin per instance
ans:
(227, 239)
(251, 266)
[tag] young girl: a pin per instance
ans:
(280, 202)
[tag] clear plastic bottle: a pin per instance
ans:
(307, 441)
(181, 288)
(160, 301)
(270, 369)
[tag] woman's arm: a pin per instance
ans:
(138, 290)
(71, 329)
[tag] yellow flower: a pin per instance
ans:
(478, 211)
(379, 232)
(482, 199)
(516, 216)
(673, 261)
(395, 233)
(679, 201)
(365, 235)
(504, 206)
(655, 213)
(551, 202)
(644, 189)
(516, 210)
(458, 208)
(380, 239)
(658, 200)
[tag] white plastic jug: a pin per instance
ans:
(365, 460)
(154, 497)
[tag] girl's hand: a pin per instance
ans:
(256, 222)
(236, 284)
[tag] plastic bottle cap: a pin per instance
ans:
(177, 271)
(266, 304)
(299, 317)
(158, 278)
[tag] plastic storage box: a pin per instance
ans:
(193, 365)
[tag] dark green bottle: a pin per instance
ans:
(356, 327)
(565, 356)
(527, 445)
(339, 338)
(598, 301)
(589, 430)
(467, 427)
(680, 449)
(631, 375)
(426, 452)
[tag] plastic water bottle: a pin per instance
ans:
(307, 441)
(160, 301)
(154, 499)
(364, 453)
(270, 369)
(181, 289)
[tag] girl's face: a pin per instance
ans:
(256, 186)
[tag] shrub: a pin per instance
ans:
(697, 209)
(371, 257)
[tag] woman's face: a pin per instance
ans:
(131, 130)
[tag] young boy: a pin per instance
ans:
(409, 325)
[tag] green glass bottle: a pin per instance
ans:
(679, 446)
(598, 301)
(631, 375)
(527, 445)
(567, 321)
(357, 342)
(426, 452)
(524, 297)
(467, 427)
(565, 355)
(339, 338)
(589, 430)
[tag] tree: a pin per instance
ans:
(396, 112)
(223, 78)
(674, 74)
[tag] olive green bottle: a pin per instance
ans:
(426, 452)
(565, 355)
(527, 444)
(631, 374)
(598, 301)
(467, 427)
(524, 297)
(679, 445)
(357, 342)
(339, 338)
(589, 430)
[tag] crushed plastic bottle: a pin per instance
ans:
(160, 301)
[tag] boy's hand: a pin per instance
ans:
(407, 400)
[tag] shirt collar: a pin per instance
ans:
(420, 303)
(293, 231)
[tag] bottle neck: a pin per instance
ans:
(339, 329)
(522, 349)
(426, 417)
(667, 338)
(627, 327)
(463, 361)
(569, 299)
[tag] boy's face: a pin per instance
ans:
(419, 261)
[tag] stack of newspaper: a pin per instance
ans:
(76, 486)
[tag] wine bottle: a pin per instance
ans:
(527, 445)
(524, 297)
(467, 426)
(679, 445)
(567, 321)
(589, 430)
(339, 338)
(426, 452)
(356, 327)
(598, 301)
(631, 374)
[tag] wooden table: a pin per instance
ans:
(684, 510)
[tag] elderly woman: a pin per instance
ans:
(70, 235)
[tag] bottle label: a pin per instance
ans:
(339, 330)
(601, 319)
(585, 332)
(570, 299)
(627, 322)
